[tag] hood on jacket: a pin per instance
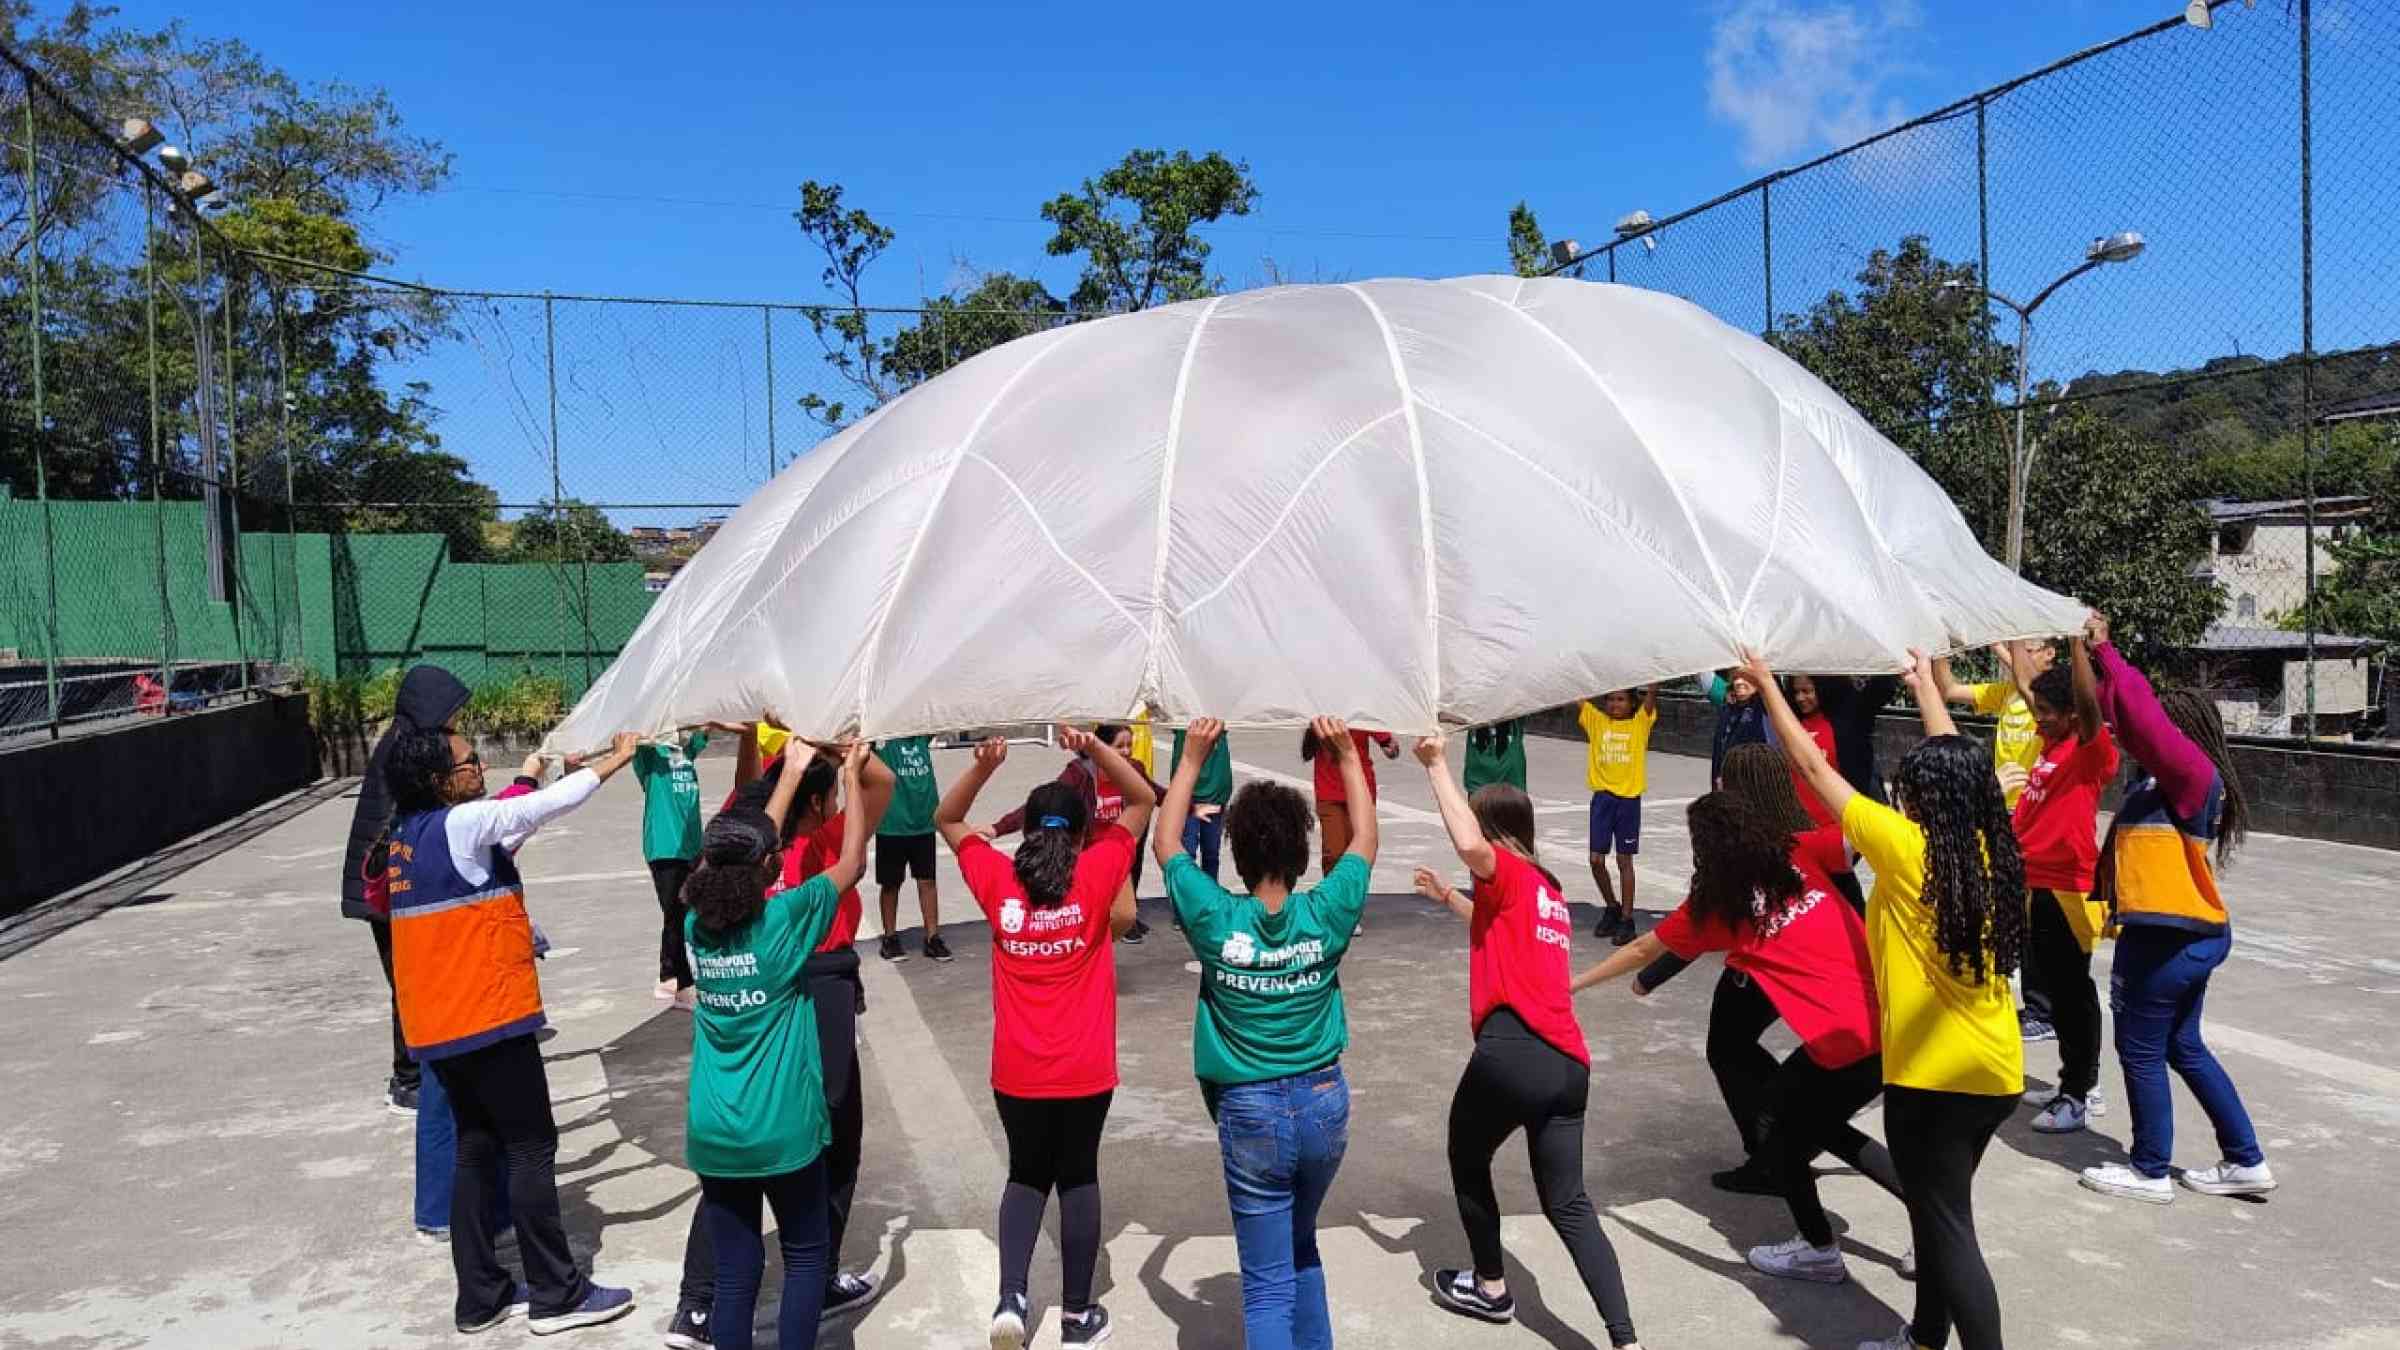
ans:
(429, 697)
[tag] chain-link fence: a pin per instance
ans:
(227, 468)
(1965, 281)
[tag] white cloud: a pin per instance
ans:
(1792, 76)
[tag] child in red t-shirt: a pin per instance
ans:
(1055, 911)
(1333, 800)
(1530, 1069)
(2057, 824)
(1765, 903)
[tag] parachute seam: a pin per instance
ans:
(908, 561)
(1416, 451)
(1166, 496)
(1051, 539)
(1700, 541)
(1783, 465)
(1291, 503)
(1565, 489)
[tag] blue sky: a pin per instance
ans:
(647, 150)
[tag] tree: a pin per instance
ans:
(573, 531)
(999, 308)
(1135, 227)
(2110, 517)
(851, 240)
(1528, 251)
(2358, 585)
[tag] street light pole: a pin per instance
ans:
(2123, 246)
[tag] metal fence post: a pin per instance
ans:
(766, 323)
(158, 466)
(235, 590)
(1766, 249)
(558, 512)
(41, 471)
(291, 500)
(2308, 370)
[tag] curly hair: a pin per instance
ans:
(1741, 860)
(1505, 815)
(729, 887)
(1759, 778)
(1046, 860)
(415, 769)
(1974, 873)
(1268, 826)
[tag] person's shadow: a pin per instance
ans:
(1209, 1318)
(644, 1074)
(1430, 1242)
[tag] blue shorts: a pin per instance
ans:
(1616, 824)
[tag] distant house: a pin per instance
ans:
(2259, 677)
(2259, 553)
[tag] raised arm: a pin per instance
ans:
(1799, 748)
(1930, 708)
(1125, 775)
(1459, 818)
(474, 826)
(950, 818)
(2131, 706)
(1365, 837)
(2087, 690)
(865, 813)
(2017, 660)
(1952, 690)
(1199, 741)
(1623, 961)
(1650, 699)
(746, 759)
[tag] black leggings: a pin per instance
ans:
(833, 989)
(501, 1097)
(2064, 973)
(1516, 1080)
(1737, 1016)
(1937, 1141)
(1810, 1114)
(405, 1072)
(667, 875)
(1053, 1144)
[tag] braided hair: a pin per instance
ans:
(1741, 859)
(1974, 873)
(2196, 716)
(1759, 778)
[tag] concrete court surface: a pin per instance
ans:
(194, 1150)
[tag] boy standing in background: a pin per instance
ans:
(671, 844)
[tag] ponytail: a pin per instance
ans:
(1055, 817)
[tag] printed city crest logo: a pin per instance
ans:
(1012, 915)
(1239, 950)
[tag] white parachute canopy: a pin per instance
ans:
(1413, 504)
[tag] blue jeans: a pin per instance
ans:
(437, 1159)
(2155, 990)
(1201, 839)
(1282, 1142)
(732, 1207)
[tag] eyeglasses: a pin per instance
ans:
(474, 760)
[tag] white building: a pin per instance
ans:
(2259, 553)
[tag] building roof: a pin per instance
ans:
(2228, 638)
(2226, 512)
(2386, 404)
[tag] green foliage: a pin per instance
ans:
(1528, 251)
(2351, 458)
(999, 308)
(1909, 349)
(517, 706)
(350, 704)
(2358, 590)
(2114, 520)
(574, 531)
(1135, 227)
(2244, 403)
(851, 241)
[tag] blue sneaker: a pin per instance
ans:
(602, 1304)
(518, 1303)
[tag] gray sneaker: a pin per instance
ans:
(2230, 1178)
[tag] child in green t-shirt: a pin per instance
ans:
(904, 846)
(670, 845)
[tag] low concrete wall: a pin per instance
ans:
(73, 809)
(2344, 792)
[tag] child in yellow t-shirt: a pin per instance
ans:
(1617, 766)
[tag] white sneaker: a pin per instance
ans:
(2118, 1179)
(2230, 1178)
(2064, 1115)
(1796, 1258)
(1908, 1264)
(1898, 1340)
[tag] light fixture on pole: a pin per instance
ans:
(135, 135)
(1637, 224)
(174, 159)
(2200, 13)
(2122, 246)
